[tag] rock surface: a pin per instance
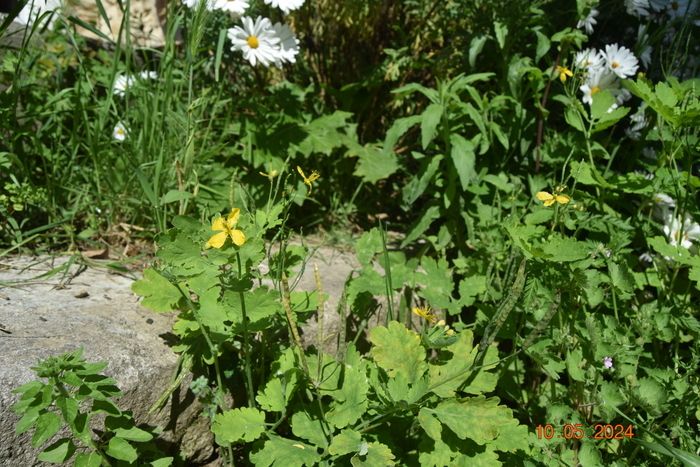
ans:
(96, 310)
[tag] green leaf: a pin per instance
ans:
(272, 398)
(543, 46)
(397, 350)
(429, 123)
(574, 365)
(345, 442)
(158, 293)
(374, 164)
(469, 288)
(461, 417)
(564, 249)
(121, 449)
(377, 454)
(475, 47)
(133, 434)
(47, 425)
(350, 401)
(415, 188)
(573, 118)
(165, 461)
(582, 173)
(501, 33)
(27, 421)
(602, 102)
(652, 393)
(437, 282)
(463, 158)
(308, 428)
(430, 424)
(175, 195)
(244, 424)
(417, 229)
(368, 245)
(58, 452)
(91, 459)
(399, 127)
(281, 452)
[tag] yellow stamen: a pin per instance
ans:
(595, 90)
(253, 42)
(615, 64)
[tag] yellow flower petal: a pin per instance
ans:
(563, 199)
(549, 202)
(238, 237)
(217, 240)
(544, 196)
(233, 217)
(218, 224)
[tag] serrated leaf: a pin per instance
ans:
(374, 164)
(369, 244)
(281, 452)
(308, 428)
(47, 425)
(350, 401)
(377, 454)
(158, 293)
(564, 249)
(243, 424)
(272, 398)
(574, 359)
(345, 442)
(121, 449)
(430, 120)
(398, 350)
(460, 416)
(421, 225)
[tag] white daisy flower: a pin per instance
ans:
(119, 132)
(257, 40)
(678, 8)
(637, 8)
(588, 59)
(285, 5)
(596, 81)
(121, 84)
(586, 23)
(608, 363)
(148, 75)
(235, 8)
(683, 234)
(621, 60)
(646, 258)
(289, 44)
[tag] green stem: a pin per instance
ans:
(246, 341)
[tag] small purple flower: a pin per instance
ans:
(608, 362)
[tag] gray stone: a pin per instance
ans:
(96, 310)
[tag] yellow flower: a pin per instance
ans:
(425, 313)
(311, 178)
(563, 73)
(227, 230)
(548, 199)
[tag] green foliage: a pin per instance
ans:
(74, 394)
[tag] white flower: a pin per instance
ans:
(588, 59)
(646, 258)
(608, 363)
(257, 40)
(119, 132)
(233, 7)
(678, 8)
(121, 84)
(621, 60)
(288, 45)
(637, 8)
(190, 3)
(596, 81)
(681, 233)
(285, 5)
(587, 23)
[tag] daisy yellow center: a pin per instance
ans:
(595, 90)
(120, 131)
(253, 42)
(615, 64)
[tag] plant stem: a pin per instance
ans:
(246, 341)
